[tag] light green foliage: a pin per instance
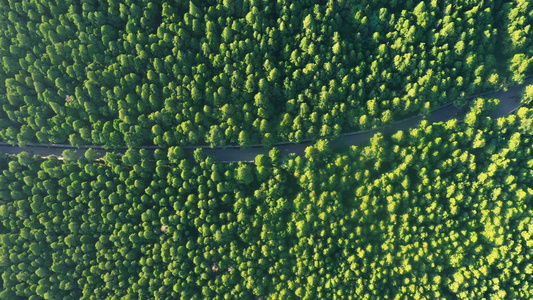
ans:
(518, 47)
(527, 95)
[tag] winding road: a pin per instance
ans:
(509, 102)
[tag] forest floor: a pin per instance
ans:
(509, 102)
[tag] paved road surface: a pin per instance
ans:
(509, 102)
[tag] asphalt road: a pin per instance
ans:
(509, 102)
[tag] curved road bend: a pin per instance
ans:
(509, 102)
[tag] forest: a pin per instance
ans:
(439, 211)
(174, 73)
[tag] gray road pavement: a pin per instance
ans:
(509, 102)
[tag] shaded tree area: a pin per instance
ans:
(142, 72)
(141, 225)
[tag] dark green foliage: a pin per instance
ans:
(441, 211)
(244, 72)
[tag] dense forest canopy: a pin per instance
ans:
(171, 73)
(439, 211)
